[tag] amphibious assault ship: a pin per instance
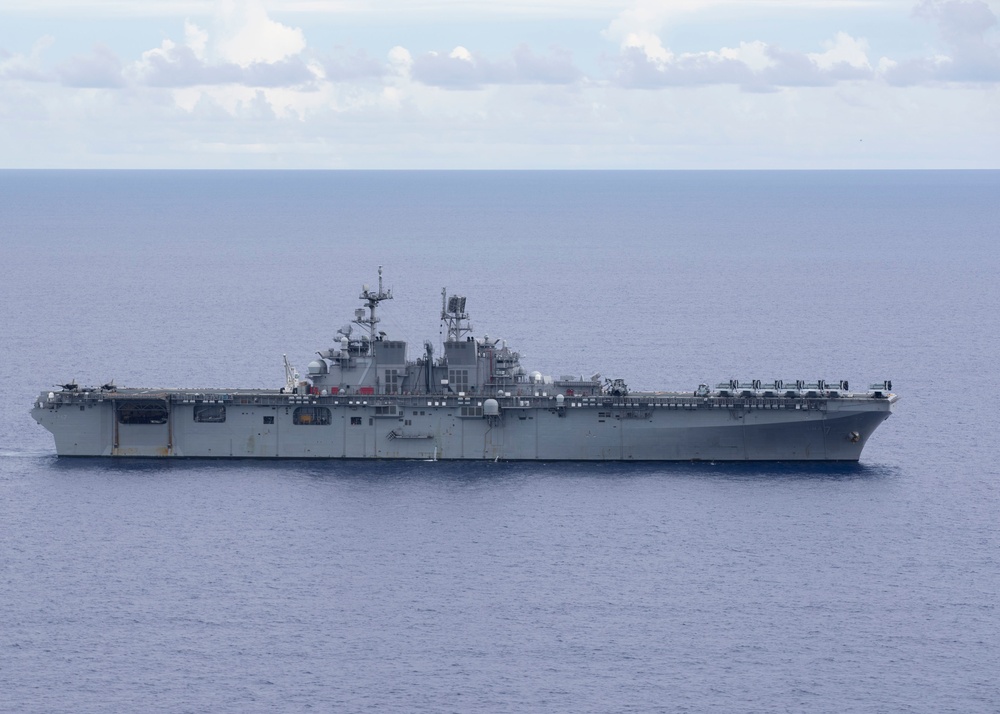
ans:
(364, 399)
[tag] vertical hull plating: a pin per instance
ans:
(640, 428)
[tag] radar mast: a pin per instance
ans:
(453, 315)
(372, 299)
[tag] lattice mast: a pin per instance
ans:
(372, 299)
(454, 316)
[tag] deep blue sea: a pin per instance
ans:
(202, 586)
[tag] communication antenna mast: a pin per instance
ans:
(372, 299)
(291, 376)
(454, 316)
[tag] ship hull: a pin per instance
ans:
(269, 425)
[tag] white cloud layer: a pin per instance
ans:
(461, 69)
(474, 8)
(969, 31)
(248, 36)
(259, 77)
(754, 66)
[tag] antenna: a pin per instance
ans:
(291, 376)
(453, 315)
(372, 299)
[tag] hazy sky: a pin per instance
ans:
(495, 84)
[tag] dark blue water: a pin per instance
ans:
(215, 586)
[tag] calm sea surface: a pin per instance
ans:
(428, 587)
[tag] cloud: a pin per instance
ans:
(845, 59)
(248, 36)
(100, 69)
(648, 17)
(958, 20)
(968, 29)
(342, 66)
(756, 66)
(239, 68)
(172, 65)
(28, 68)
(234, 83)
(638, 67)
(246, 47)
(556, 68)
(258, 108)
(196, 38)
(842, 51)
(462, 69)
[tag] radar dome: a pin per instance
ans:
(491, 407)
(317, 366)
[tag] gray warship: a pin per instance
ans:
(364, 399)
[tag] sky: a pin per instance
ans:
(496, 84)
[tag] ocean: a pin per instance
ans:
(192, 586)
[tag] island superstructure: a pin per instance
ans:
(364, 398)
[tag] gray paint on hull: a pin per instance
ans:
(831, 430)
